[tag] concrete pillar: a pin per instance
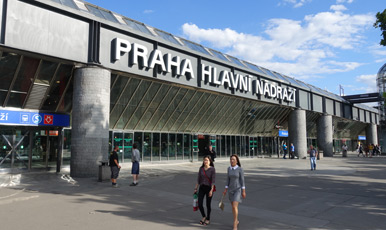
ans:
(325, 135)
(371, 134)
(297, 132)
(90, 120)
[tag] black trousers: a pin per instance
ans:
(202, 192)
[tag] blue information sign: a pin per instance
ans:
(10, 117)
(283, 133)
(361, 138)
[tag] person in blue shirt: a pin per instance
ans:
(292, 151)
(284, 150)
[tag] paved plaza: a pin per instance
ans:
(343, 193)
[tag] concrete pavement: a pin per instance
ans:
(343, 193)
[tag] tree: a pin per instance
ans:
(381, 23)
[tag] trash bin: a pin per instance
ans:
(104, 171)
(344, 153)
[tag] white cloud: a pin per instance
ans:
(369, 83)
(338, 8)
(344, 1)
(296, 48)
(148, 11)
(297, 3)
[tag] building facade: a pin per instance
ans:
(76, 79)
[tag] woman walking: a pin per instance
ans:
(236, 186)
(206, 179)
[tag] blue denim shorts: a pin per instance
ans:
(135, 168)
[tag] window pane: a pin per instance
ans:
(8, 65)
(128, 146)
(179, 146)
(137, 26)
(236, 61)
(95, 11)
(172, 146)
(46, 72)
(219, 55)
(69, 3)
(146, 147)
(164, 146)
(187, 146)
(3, 95)
(195, 47)
(156, 147)
(57, 88)
(66, 105)
(167, 37)
(16, 100)
(26, 74)
(108, 16)
(251, 66)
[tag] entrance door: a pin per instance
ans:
(45, 148)
(14, 149)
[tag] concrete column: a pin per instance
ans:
(297, 132)
(325, 135)
(371, 134)
(90, 120)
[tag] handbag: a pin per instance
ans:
(214, 186)
(221, 204)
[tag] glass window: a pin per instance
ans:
(122, 102)
(187, 146)
(117, 89)
(146, 147)
(268, 72)
(140, 109)
(16, 100)
(317, 103)
(164, 124)
(8, 65)
(167, 37)
(138, 140)
(254, 67)
(228, 146)
(238, 145)
(156, 147)
(195, 47)
(146, 118)
(128, 146)
(109, 16)
(46, 72)
(57, 88)
(69, 3)
(223, 147)
(164, 146)
(219, 55)
(179, 144)
(95, 11)
(172, 146)
(161, 110)
(137, 26)
(236, 61)
(66, 104)
(3, 95)
(26, 74)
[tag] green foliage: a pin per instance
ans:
(381, 23)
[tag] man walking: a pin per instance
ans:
(313, 156)
(114, 166)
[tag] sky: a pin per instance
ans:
(326, 43)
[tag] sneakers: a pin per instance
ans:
(115, 185)
(133, 184)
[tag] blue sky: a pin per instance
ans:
(325, 43)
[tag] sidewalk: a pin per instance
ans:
(343, 193)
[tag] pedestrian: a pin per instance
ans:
(344, 150)
(114, 166)
(292, 151)
(284, 150)
(360, 150)
(313, 156)
(236, 185)
(135, 158)
(211, 152)
(206, 180)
